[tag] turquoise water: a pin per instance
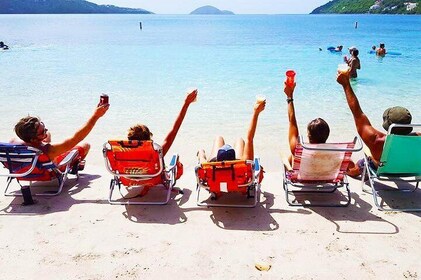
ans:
(58, 65)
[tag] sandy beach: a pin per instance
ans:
(58, 66)
(78, 235)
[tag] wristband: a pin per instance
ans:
(289, 100)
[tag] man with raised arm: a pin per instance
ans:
(372, 138)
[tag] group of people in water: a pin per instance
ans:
(354, 61)
(33, 132)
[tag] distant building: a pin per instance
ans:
(410, 6)
(375, 7)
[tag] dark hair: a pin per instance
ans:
(355, 52)
(26, 128)
(381, 45)
(139, 132)
(318, 131)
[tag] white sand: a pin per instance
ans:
(78, 235)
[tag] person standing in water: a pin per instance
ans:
(353, 62)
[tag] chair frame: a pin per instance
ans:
(11, 153)
(373, 176)
(321, 187)
(253, 188)
(168, 174)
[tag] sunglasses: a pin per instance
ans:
(44, 129)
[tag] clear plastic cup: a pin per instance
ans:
(290, 77)
(260, 98)
(343, 68)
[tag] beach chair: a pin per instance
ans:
(139, 164)
(28, 164)
(400, 163)
(319, 169)
(236, 176)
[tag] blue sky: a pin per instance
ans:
(237, 6)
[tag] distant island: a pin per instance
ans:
(210, 10)
(370, 6)
(62, 7)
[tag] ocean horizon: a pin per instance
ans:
(58, 66)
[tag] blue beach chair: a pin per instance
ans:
(400, 163)
(28, 164)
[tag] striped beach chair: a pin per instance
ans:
(234, 176)
(28, 164)
(319, 169)
(400, 163)
(139, 164)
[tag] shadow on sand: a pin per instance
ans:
(53, 204)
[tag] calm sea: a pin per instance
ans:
(58, 65)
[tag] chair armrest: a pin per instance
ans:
(69, 158)
(173, 162)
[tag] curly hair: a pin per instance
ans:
(26, 128)
(139, 132)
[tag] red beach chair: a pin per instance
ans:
(139, 163)
(29, 164)
(236, 176)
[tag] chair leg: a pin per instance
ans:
(27, 196)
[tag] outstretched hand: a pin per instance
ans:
(101, 110)
(289, 89)
(259, 106)
(343, 78)
(191, 97)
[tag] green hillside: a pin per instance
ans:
(368, 6)
(62, 7)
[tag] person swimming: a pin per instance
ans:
(3, 46)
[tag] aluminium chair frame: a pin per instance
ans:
(253, 188)
(168, 178)
(318, 187)
(9, 156)
(373, 176)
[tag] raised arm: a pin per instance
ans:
(293, 127)
(248, 154)
(166, 145)
(367, 132)
(57, 149)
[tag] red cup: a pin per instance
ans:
(290, 77)
(103, 100)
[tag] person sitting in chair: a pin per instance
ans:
(243, 150)
(317, 130)
(141, 132)
(373, 138)
(33, 132)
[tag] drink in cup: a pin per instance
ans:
(260, 98)
(290, 77)
(103, 99)
(343, 68)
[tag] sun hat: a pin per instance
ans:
(226, 152)
(398, 115)
(352, 48)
